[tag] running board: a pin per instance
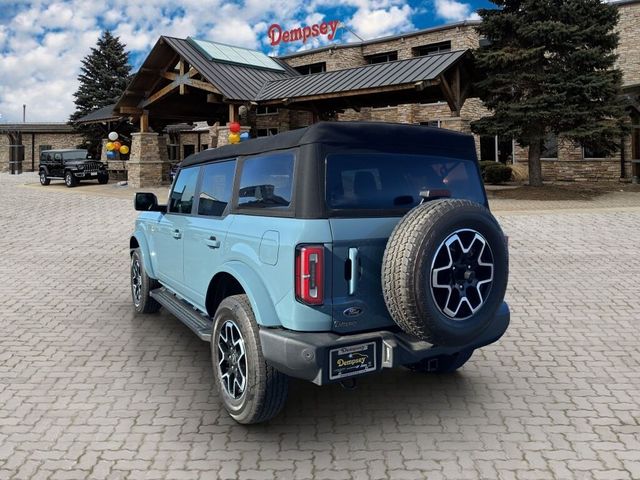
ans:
(198, 322)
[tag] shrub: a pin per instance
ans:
(496, 173)
(484, 164)
(520, 173)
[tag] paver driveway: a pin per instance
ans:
(88, 390)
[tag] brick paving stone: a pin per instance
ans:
(90, 390)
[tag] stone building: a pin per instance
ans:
(32, 138)
(187, 91)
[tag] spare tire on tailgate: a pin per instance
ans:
(445, 271)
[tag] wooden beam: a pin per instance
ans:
(144, 121)
(169, 75)
(192, 72)
(234, 113)
(159, 94)
(449, 96)
(182, 66)
(130, 110)
(201, 85)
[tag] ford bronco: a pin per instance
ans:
(71, 166)
(324, 254)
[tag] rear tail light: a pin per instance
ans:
(310, 274)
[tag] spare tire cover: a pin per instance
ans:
(445, 271)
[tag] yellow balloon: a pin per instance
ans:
(110, 146)
(124, 149)
(234, 138)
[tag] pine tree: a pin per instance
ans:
(549, 69)
(103, 78)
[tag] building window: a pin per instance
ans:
(549, 146)
(382, 57)
(188, 150)
(432, 123)
(267, 132)
(312, 68)
(266, 110)
(172, 152)
(432, 48)
(593, 152)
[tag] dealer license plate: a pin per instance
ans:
(352, 360)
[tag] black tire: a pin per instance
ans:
(70, 179)
(431, 235)
(44, 179)
(265, 388)
(103, 178)
(142, 285)
(443, 363)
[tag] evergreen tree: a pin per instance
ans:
(103, 78)
(549, 69)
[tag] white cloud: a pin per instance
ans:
(453, 11)
(43, 42)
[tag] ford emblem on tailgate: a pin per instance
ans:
(352, 312)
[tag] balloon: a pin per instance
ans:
(111, 155)
(110, 146)
(116, 146)
(244, 136)
(124, 149)
(113, 136)
(234, 138)
(234, 127)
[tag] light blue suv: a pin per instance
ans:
(325, 253)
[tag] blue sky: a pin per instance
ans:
(42, 42)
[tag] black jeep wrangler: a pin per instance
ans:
(72, 166)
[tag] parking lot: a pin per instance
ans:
(89, 390)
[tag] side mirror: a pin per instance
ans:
(147, 202)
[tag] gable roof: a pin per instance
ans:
(396, 73)
(235, 82)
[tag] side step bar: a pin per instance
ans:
(198, 322)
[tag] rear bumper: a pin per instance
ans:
(305, 355)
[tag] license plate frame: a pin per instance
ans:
(352, 360)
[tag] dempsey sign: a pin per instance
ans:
(277, 35)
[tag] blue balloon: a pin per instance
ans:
(111, 155)
(244, 136)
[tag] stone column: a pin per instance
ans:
(223, 134)
(4, 152)
(103, 150)
(148, 164)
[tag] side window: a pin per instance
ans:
(266, 181)
(184, 189)
(57, 156)
(217, 186)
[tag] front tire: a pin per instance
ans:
(251, 390)
(141, 286)
(70, 179)
(44, 179)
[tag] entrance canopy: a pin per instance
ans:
(194, 80)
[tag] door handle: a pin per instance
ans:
(177, 235)
(353, 281)
(212, 242)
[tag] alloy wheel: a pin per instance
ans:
(232, 360)
(136, 281)
(462, 274)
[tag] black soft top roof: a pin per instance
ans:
(381, 136)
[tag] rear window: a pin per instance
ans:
(394, 181)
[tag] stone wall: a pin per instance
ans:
(629, 47)
(32, 144)
(335, 58)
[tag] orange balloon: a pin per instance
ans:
(116, 146)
